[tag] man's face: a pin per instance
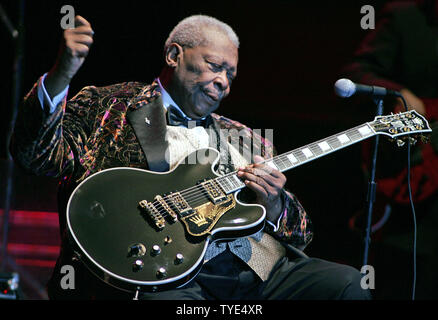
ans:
(203, 76)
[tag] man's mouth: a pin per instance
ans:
(211, 96)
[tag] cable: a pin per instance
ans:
(414, 282)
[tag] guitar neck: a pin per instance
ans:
(289, 160)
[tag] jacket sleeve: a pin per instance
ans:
(48, 143)
(294, 225)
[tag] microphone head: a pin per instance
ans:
(345, 88)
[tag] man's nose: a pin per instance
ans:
(222, 81)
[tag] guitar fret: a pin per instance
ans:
(316, 149)
(271, 164)
(285, 161)
(334, 143)
(224, 184)
(324, 146)
(365, 131)
(299, 155)
(237, 183)
(230, 183)
(354, 135)
(343, 138)
(307, 153)
(280, 163)
(291, 158)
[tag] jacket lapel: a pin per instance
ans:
(147, 117)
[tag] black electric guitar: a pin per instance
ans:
(146, 231)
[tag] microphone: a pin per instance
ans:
(345, 88)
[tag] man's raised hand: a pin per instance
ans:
(74, 49)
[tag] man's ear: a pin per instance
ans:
(173, 53)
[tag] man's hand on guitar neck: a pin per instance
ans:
(267, 183)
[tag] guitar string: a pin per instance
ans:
(283, 163)
(196, 194)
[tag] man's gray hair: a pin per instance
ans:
(190, 32)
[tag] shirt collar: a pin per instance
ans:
(168, 101)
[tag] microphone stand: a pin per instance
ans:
(18, 45)
(372, 186)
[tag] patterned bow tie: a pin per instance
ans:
(176, 118)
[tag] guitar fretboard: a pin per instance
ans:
(286, 161)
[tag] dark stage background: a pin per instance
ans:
(290, 56)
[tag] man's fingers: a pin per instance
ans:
(268, 182)
(268, 169)
(258, 159)
(78, 50)
(82, 50)
(83, 39)
(79, 40)
(83, 30)
(262, 170)
(81, 21)
(258, 189)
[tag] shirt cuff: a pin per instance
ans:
(44, 97)
(277, 225)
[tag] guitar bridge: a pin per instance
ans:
(167, 208)
(153, 213)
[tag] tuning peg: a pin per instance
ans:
(400, 143)
(412, 141)
(425, 139)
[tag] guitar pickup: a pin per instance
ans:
(213, 191)
(180, 204)
(152, 213)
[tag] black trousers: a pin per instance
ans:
(226, 277)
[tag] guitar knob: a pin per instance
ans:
(136, 250)
(168, 240)
(161, 273)
(156, 250)
(138, 265)
(179, 258)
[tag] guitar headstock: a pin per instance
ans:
(408, 125)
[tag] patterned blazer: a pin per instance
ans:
(104, 127)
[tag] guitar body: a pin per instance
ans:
(116, 240)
